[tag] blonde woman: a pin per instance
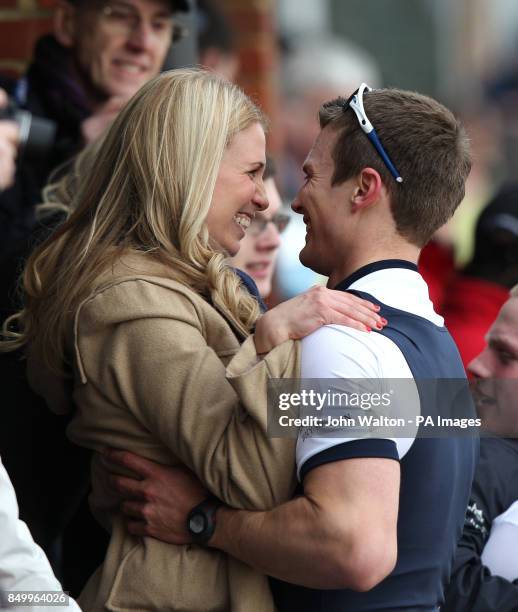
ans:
(132, 314)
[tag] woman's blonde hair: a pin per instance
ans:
(146, 186)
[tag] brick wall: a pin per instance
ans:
(21, 23)
(254, 22)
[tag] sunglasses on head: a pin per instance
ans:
(355, 102)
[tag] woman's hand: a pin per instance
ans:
(298, 317)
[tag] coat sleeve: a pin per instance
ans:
(23, 565)
(160, 367)
(472, 587)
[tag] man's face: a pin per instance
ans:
(326, 209)
(118, 46)
(495, 371)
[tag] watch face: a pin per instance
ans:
(197, 523)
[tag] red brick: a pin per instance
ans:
(254, 24)
(245, 21)
(17, 38)
(256, 60)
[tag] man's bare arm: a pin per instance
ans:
(342, 533)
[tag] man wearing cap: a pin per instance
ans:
(98, 56)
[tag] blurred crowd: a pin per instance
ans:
(79, 78)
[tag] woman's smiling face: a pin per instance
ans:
(258, 253)
(239, 192)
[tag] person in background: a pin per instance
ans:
(98, 56)
(485, 571)
(259, 248)
(475, 294)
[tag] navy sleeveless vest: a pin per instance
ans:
(436, 478)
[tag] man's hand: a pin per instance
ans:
(158, 500)
(8, 147)
(95, 126)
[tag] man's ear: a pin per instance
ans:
(65, 23)
(368, 189)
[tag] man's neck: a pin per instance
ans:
(406, 252)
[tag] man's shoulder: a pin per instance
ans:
(353, 353)
(337, 346)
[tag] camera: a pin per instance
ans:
(36, 134)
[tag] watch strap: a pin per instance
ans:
(201, 521)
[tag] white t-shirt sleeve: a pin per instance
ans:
(335, 351)
(499, 554)
(23, 564)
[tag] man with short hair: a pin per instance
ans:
(378, 518)
(485, 572)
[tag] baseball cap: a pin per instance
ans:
(176, 5)
(180, 5)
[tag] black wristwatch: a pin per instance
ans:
(201, 521)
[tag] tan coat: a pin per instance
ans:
(149, 358)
